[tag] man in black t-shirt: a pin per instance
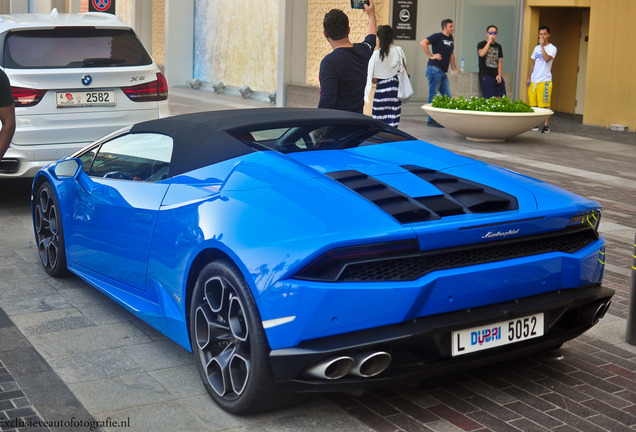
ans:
(490, 54)
(440, 58)
(7, 113)
(343, 72)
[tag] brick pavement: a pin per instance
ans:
(15, 406)
(587, 385)
(16, 410)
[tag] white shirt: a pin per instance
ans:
(542, 71)
(383, 69)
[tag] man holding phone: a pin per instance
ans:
(490, 54)
(343, 72)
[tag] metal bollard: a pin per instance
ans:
(630, 335)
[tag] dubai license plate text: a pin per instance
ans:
(498, 334)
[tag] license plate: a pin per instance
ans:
(85, 98)
(495, 335)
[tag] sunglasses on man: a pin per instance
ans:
(492, 33)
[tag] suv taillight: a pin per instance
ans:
(26, 97)
(152, 91)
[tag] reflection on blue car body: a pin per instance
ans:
(315, 250)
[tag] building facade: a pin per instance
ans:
(275, 46)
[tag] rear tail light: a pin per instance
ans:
(26, 97)
(591, 219)
(151, 91)
(329, 266)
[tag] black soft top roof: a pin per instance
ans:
(206, 138)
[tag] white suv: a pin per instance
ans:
(75, 78)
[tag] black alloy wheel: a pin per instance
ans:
(49, 234)
(230, 344)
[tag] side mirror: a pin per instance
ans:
(72, 168)
(67, 168)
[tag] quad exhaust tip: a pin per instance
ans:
(604, 311)
(593, 314)
(365, 365)
(371, 364)
(333, 368)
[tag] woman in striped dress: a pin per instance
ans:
(383, 69)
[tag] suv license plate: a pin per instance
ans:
(495, 335)
(85, 98)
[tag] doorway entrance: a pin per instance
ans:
(569, 29)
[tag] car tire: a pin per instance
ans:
(230, 344)
(49, 232)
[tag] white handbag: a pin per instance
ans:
(405, 89)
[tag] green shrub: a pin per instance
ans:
(481, 104)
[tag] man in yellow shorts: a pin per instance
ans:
(540, 74)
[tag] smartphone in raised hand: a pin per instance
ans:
(359, 4)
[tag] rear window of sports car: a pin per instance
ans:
(73, 47)
(309, 138)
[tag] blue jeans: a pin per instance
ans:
(490, 87)
(437, 83)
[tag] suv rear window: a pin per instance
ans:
(73, 47)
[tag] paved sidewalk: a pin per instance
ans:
(15, 407)
(70, 352)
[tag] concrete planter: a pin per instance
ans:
(487, 126)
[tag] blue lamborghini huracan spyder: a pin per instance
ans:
(316, 250)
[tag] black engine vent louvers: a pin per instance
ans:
(458, 196)
(403, 208)
(441, 205)
(483, 202)
(473, 197)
